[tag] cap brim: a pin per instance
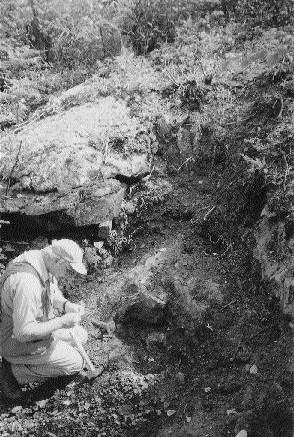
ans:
(79, 267)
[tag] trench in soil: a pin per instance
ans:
(229, 370)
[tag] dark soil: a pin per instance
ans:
(231, 371)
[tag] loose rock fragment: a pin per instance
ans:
(253, 369)
(242, 433)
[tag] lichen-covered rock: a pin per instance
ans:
(69, 162)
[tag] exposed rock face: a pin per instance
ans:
(162, 284)
(144, 299)
(274, 251)
(68, 163)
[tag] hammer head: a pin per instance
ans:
(93, 374)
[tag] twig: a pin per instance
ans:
(209, 212)
(228, 304)
(102, 40)
(171, 77)
(12, 170)
(287, 172)
(27, 123)
(14, 242)
(261, 331)
(282, 107)
(185, 162)
(237, 121)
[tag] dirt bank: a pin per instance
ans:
(216, 361)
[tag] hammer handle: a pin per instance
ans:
(83, 353)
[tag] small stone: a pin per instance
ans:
(188, 419)
(253, 369)
(180, 378)
(207, 389)
(16, 409)
(170, 412)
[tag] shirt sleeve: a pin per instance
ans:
(27, 303)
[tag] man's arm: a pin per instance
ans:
(27, 308)
(41, 330)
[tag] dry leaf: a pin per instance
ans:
(233, 411)
(66, 402)
(170, 412)
(16, 409)
(42, 403)
(98, 244)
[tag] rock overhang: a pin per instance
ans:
(71, 162)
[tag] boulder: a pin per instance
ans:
(71, 163)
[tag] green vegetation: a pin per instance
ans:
(219, 72)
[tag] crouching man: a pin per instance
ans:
(36, 320)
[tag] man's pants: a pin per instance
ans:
(60, 359)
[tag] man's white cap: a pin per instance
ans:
(70, 251)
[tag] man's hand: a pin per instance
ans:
(105, 327)
(75, 308)
(69, 320)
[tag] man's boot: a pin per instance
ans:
(9, 386)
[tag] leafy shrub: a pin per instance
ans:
(260, 13)
(149, 23)
(70, 33)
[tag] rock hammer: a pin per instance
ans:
(93, 371)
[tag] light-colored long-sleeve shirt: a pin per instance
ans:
(21, 302)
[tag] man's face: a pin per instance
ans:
(61, 268)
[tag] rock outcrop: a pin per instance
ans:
(71, 163)
(164, 284)
(144, 299)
